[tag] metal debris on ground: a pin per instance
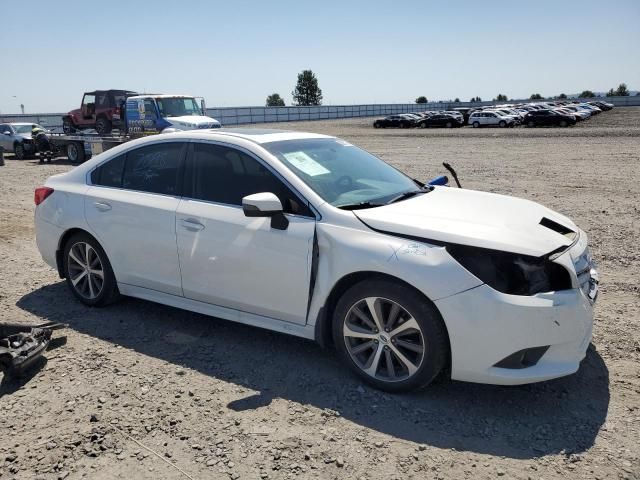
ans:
(22, 345)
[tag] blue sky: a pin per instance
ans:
(237, 52)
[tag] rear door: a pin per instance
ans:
(131, 207)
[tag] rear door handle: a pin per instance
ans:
(192, 224)
(102, 206)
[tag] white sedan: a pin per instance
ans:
(309, 235)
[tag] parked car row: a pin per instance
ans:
(562, 113)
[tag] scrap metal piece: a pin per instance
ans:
(22, 345)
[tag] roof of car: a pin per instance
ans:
(256, 135)
(19, 123)
(147, 95)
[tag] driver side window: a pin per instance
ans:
(220, 174)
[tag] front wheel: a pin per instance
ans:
(449, 124)
(18, 151)
(502, 124)
(476, 124)
(390, 335)
(564, 123)
(88, 271)
(531, 124)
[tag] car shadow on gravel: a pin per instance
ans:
(560, 416)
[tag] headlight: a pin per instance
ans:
(512, 273)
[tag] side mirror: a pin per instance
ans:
(265, 204)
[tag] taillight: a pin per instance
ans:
(41, 194)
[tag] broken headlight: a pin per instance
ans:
(512, 273)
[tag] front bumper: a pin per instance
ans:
(486, 326)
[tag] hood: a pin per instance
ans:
(474, 218)
(192, 121)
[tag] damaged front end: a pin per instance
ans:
(22, 345)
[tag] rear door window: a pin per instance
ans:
(109, 174)
(154, 168)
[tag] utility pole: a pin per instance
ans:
(22, 108)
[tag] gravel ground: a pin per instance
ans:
(145, 391)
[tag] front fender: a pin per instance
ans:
(345, 251)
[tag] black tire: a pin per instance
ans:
(563, 123)
(432, 330)
(103, 126)
(376, 125)
(476, 125)
(18, 151)
(449, 125)
(75, 152)
(531, 124)
(502, 124)
(67, 126)
(423, 125)
(109, 292)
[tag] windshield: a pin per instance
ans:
(178, 107)
(25, 128)
(340, 173)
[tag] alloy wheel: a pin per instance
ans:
(383, 339)
(86, 271)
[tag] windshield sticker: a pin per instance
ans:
(305, 163)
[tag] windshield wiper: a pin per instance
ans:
(409, 194)
(361, 205)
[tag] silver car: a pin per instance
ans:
(16, 138)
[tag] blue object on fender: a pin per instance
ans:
(441, 180)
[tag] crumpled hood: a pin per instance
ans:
(474, 218)
(187, 121)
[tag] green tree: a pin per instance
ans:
(587, 94)
(611, 93)
(501, 98)
(622, 90)
(562, 96)
(275, 100)
(421, 99)
(536, 96)
(475, 99)
(307, 91)
(457, 100)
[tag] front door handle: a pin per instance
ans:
(102, 206)
(192, 224)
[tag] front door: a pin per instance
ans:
(88, 109)
(234, 261)
(131, 209)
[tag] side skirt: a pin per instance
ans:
(217, 311)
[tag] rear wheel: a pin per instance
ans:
(531, 123)
(423, 125)
(75, 152)
(103, 126)
(476, 124)
(449, 124)
(88, 271)
(564, 123)
(376, 125)
(390, 335)
(18, 151)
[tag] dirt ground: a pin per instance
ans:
(143, 391)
